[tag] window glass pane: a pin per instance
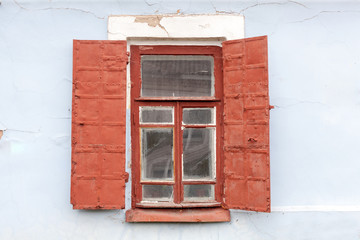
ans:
(156, 115)
(198, 192)
(157, 153)
(198, 153)
(177, 76)
(157, 192)
(198, 116)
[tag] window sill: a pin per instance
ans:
(200, 99)
(178, 215)
(181, 205)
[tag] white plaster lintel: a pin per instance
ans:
(226, 26)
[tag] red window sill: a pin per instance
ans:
(200, 99)
(178, 215)
(181, 205)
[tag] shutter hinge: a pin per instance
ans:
(128, 57)
(126, 176)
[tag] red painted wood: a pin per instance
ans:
(180, 205)
(246, 125)
(98, 125)
(178, 215)
(178, 103)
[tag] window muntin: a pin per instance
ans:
(177, 76)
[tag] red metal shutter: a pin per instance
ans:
(246, 125)
(98, 125)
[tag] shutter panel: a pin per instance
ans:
(98, 125)
(246, 125)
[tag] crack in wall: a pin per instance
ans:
(256, 5)
(301, 4)
(273, 3)
(150, 4)
(325, 12)
(52, 8)
(23, 131)
(220, 12)
(300, 102)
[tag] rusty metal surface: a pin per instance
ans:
(178, 215)
(246, 125)
(98, 125)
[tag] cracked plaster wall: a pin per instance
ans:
(314, 74)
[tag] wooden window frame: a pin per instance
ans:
(178, 103)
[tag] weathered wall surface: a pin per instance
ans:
(314, 56)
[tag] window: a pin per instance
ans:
(176, 134)
(199, 129)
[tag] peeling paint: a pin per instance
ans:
(152, 21)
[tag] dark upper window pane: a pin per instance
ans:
(156, 115)
(198, 116)
(177, 76)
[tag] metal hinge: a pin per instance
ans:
(128, 57)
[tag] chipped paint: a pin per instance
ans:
(178, 215)
(152, 21)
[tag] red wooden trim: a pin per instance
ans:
(156, 182)
(219, 150)
(178, 215)
(141, 125)
(134, 74)
(180, 136)
(178, 205)
(177, 157)
(199, 182)
(187, 99)
(199, 126)
(177, 50)
(178, 103)
(200, 104)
